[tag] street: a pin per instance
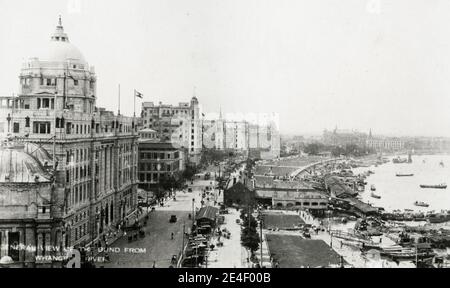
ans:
(157, 248)
(232, 254)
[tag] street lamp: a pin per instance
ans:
(193, 211)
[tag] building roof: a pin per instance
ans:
(151, 144)
(17, 166)
(147, 130)
(282, 221)
(39, 153)
(361, 206)
(207, 212)
(59, 49)
(270, 182)
(291, 251)
(339, 188)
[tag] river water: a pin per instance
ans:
(402, 192)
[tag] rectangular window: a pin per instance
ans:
(16, 127)
(45, 103)
(13, 244)
(41, 127)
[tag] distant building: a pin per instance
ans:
(238, 194)
(226, 135)
(431, 144)
(344, 137)
(181, 125)
(289, 194)
(158, 160)
(385, 143)
(149, 134)
(259, 141)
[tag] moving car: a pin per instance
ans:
(173, 219)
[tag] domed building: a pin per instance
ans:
(25, 207)
(61, 75)
(88, 154)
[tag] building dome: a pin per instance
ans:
(39, 153)
(59, 49)
(17, 166)
(6, 260)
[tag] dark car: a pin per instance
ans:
(173, 219)
(190, 190)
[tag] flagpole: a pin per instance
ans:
(119, 100)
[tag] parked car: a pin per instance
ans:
(173, 219)
(238, 221)
(190, 190)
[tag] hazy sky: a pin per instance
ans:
(356, 64)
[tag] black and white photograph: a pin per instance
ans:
(245, 135)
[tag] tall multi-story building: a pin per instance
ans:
(344, 137)
(242, 136)
(93, 152)
(181, 125)
(158, 159)
(380, 144)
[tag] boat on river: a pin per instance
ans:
(404, 174)
(439, 217)
(421, 204)
(373, 195)
(439, 186)
(399, 160)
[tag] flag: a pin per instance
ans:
(138, 94)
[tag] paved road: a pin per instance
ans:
(157, 246)
(231, 254)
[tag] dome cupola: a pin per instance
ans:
(60, 49)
